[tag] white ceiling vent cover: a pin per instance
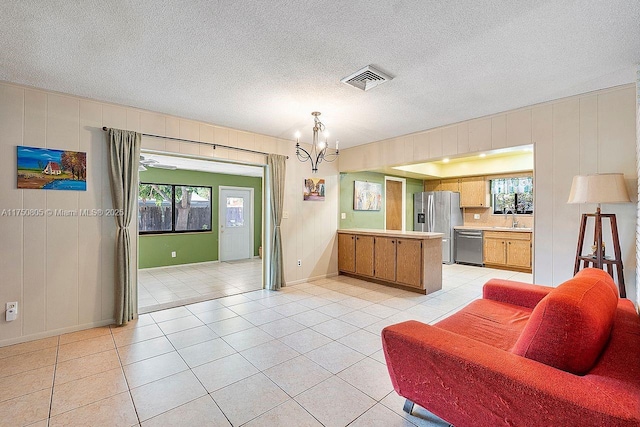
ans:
(366, 78)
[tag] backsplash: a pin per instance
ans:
(489, 219)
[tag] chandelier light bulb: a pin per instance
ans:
(297, 135)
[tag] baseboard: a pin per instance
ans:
(55, 332)
(311, 279)
(160, 267)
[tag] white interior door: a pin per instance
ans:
(235, 223)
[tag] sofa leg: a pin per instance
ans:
(408, 406)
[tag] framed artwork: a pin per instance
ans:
(314, 189)
(47, 169)
(367, 196)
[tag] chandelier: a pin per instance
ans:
(319, 149)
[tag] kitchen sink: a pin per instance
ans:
(512, 228)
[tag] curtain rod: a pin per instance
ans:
(246, 150)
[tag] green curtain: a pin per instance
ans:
(277, 168)
(124, 156)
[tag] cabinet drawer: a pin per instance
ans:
(508, 235)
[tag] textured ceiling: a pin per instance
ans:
(263, 66)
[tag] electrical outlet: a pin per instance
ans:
(299, 263)
(12, 311)
(476, 216)
(173, 254)
(285, 214)
(343, 215)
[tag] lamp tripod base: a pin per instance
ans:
(597, 259)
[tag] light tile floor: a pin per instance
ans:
(308, 355)
(167, 287)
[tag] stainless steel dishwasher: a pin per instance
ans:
(469, 247)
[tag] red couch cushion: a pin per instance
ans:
(569, 328)
(492, 322)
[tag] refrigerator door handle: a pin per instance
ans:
(428, 212)
(430, 205)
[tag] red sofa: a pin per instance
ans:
(525, 355)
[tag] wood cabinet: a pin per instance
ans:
(347, 252)
(474, 192)
(409, 254)
(385, 258)
(432, 185)
(406, 259)
(449, 185)
(364, 255)
(355, 254)
(494, 250)
(508, 249)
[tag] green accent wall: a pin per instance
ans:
(372, 219)
(154, 250)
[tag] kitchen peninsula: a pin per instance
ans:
(409, 260)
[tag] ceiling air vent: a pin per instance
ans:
(366, 78)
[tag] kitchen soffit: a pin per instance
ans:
(507, 160)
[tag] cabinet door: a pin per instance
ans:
(473, 192)
(519, 253)
(364, 255)
(432, 185)
(409, 262)
(494, 251)
(449, 185)
(347, 253)
(385, 258)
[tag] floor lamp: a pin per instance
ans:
(600, 189)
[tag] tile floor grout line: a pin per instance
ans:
(53, 381)
(126, 380)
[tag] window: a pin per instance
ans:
(512, 195)
(166, 208)
(235, 209)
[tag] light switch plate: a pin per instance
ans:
(476, 216)
(285, 215)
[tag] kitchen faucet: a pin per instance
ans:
(514, 220)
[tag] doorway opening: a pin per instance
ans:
(200, 229)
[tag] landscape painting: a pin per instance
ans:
(367, 196)
(43, 168)
(314, 189)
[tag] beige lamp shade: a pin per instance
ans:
(599, 188)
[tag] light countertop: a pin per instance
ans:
(393, 233)
(490, 228)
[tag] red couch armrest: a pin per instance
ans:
(469, 383)
(516, 293)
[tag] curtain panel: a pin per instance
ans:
(277, 168)
(124, 156)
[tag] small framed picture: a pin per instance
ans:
(314, 189)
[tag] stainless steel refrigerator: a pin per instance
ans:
(438, 211)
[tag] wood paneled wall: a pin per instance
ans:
(590, 133)
(60, 269)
